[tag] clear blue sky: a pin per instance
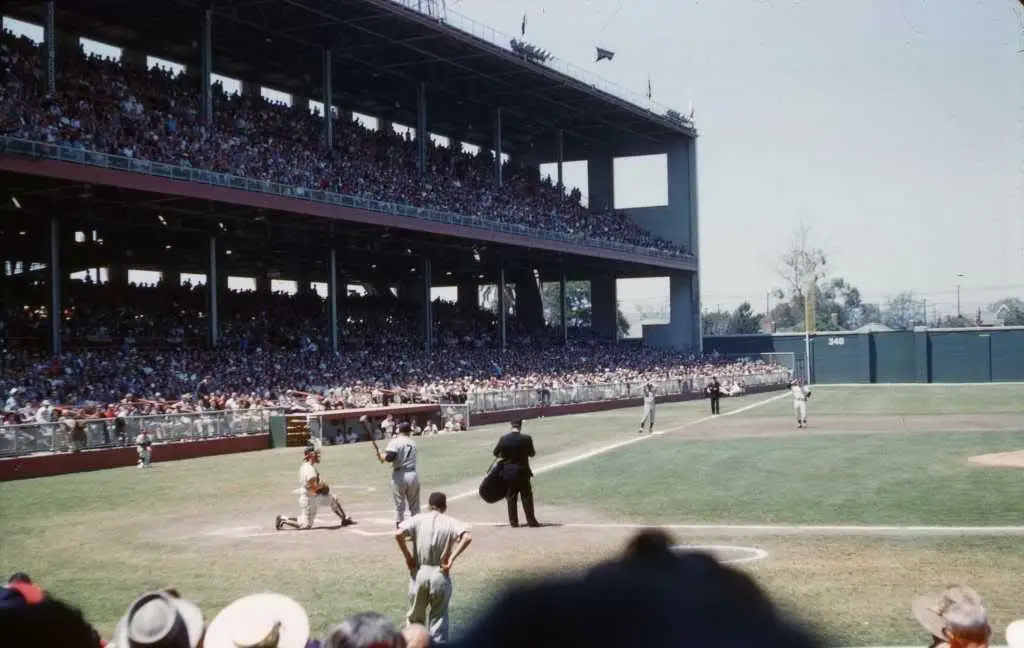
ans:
(893, 128)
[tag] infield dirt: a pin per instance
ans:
(1013, 459)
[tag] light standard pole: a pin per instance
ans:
(958, 276)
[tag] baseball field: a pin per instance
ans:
(845, 522)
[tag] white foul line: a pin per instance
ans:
(636, 439)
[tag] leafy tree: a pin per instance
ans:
(1012, 314)
(715, 322)
(743, 320)
(578, 310)
(956, 321)
(903, 311)
(489, 298)
(838, 304)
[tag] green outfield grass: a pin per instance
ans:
(883, 478)
(908, 400)
(100, 538)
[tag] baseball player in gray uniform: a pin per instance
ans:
(438, 540)
(405, 483)
(648, 418)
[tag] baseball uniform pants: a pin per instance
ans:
(405, 488)
(429, 594)
(801, 410)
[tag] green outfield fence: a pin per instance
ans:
(973, 355)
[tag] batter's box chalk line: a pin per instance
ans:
(746, 554)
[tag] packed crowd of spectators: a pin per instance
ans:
(648, 596)
(139, 350)
(111, 107)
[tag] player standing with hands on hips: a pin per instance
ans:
(405, 482)
(514, 449)
(438, 540)
(801, 393)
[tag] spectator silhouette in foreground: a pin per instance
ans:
(651, 596)
(30, 618)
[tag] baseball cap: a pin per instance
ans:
(438, 500)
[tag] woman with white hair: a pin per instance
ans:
(955, 618)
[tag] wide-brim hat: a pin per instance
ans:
(1015, 634)
(252, 620)
(158, 618)
(931, 610)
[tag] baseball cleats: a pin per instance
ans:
(278, 523)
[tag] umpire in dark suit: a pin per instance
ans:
(514, 449)
(715, 394)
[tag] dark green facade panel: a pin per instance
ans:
(947, 356)
(841, 358)
(960, 356)
(893, 358)
(1008, 355)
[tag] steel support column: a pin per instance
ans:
(206, 67)
(561, 154)
(332, 297)
(428, 306)
(563, 297)
(502, 312)
(50, 43)
(328, 99)
(56, 307)
(422, 130)
(497, 147)
(212, 286)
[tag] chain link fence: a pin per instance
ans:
(75, 435)
(491, 401)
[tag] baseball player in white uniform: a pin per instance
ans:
(801, 393)
(649, 403)
(142, 448)
(438, 540)
(312, 491)
(405, 482)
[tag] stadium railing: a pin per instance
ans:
(31, 438)
(490, 401)
(26, 148)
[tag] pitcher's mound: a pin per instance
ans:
(1013, 459)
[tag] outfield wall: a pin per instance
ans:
(973, 355)
(48, 465)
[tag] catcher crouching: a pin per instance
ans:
(312, 491)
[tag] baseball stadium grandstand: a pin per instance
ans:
(115, 165)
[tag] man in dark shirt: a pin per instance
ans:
(715, 394)
(514, 449)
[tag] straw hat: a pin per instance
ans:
(160, 619)
(259, 621)
(956, 607)
(1015, 634)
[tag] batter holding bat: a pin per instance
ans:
(405, 482)
(312, 490)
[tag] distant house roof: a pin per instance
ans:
(873, 327)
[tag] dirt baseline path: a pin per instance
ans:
(1013, 459)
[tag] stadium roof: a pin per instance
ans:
(381, 51)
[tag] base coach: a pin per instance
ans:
(514, 450)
